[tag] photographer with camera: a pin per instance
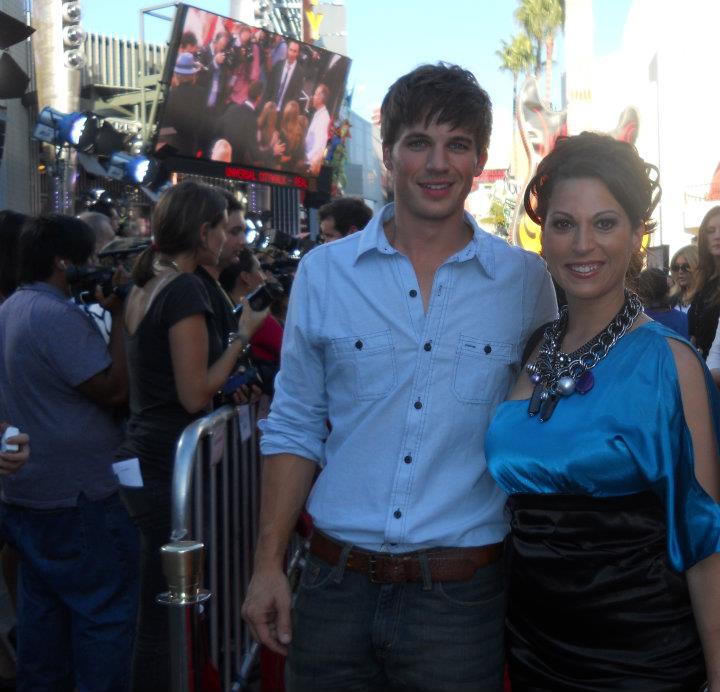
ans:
(246, 64)
(216, 59)
(61, 511)
(104, 234)
(246, 281)
(177, 363)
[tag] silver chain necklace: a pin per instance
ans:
(556, 374)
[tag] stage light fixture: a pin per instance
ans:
(251, 233)
(108, 140)
(76, 129)
(133, 169)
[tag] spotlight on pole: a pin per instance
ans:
(76, 129)
(133, 169)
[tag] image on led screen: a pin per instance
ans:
(242, 95)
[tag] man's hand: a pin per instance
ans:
(267, 610)
(10, 462)
(113, 303)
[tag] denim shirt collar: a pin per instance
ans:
(480, 246)
(44, 287)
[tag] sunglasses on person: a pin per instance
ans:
(684, 268)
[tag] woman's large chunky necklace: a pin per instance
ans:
(556, 374)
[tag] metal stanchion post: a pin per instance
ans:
(182, 563)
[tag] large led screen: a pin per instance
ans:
(248, 97)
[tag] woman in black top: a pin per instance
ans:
(176, 363)
(705, 304)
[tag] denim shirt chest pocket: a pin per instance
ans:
(372, 357)
(483, 369)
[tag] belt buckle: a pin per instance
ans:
(371, 570)
(394, 571)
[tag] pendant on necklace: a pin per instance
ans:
(536, 399)
(565, 386)
(585, 382)
(548, 407)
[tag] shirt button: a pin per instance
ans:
(408, 459)
(412, 293)
(488, 348)
(418, 405)
(358, 344)
(427, 346)
(397, 513)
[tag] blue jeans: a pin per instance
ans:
(351, 634)
(77, 595)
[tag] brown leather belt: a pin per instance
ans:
(444, 564)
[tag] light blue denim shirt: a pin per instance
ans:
(409, 395)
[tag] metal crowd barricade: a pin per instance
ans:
(215, 504)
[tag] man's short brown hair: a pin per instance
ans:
(346, 212)
(443, 93)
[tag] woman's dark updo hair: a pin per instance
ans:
(176, 222)
(631, 181)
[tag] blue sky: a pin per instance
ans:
(387, 38)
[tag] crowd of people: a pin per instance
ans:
(501, 486)
(113, 378)
(253, 98)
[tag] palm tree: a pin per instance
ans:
(516, 56)
(529, 16)
(541, 20)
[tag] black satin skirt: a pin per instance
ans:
(593, 605)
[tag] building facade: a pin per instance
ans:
(19, 188)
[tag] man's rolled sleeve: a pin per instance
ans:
(297, 420)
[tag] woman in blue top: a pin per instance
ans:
(608, 449)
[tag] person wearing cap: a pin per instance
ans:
(184, 106)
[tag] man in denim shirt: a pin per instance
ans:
(79, 551)
(406, 337)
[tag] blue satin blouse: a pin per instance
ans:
(627, 435)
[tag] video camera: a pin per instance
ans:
(122, 248)
(83, 281)
(292, 244)
(262, 298)
(121, 252)
(283, 271)
(251, 371)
